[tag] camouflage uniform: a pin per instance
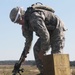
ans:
(50, 30)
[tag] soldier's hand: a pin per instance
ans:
(16, 68)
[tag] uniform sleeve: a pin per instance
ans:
(28, 38)
(37, 23)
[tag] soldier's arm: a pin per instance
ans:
(29, 36)
(38, 24)
(28, 40)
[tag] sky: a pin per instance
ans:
(11, 39)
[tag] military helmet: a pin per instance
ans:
(16, 13)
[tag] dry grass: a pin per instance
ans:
(72, 70)
(28, 70)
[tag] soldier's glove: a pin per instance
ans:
(17, 69)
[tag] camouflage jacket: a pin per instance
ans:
(41, 22)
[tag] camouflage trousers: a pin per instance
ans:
(57, 39)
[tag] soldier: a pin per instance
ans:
(47, 26)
